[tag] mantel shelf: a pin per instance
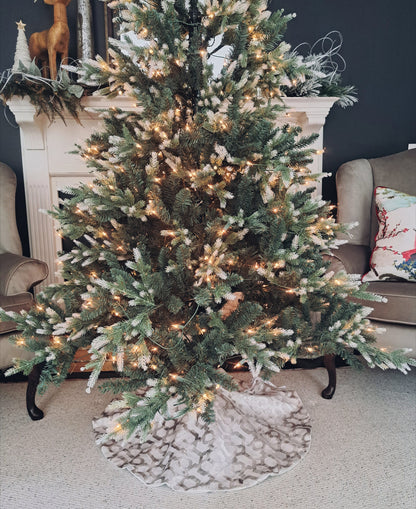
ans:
(48, 166)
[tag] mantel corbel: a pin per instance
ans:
(314, 110)
(29, 122)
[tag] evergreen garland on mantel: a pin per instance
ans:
(51, 97)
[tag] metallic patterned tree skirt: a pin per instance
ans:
(257, 433)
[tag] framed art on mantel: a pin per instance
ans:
(108, 27)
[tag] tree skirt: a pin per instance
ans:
(258, 432)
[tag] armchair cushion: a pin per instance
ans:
(18, 274)
(400, 307)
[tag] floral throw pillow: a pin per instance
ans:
(394, 255)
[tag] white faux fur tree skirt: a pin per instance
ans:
(258, 432)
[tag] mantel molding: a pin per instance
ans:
(48, 166)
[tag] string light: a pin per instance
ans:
(118, 428)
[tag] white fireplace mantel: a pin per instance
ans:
(49, 167)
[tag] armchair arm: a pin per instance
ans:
(18, 274)
(353, 258)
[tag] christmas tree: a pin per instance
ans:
(199, 238)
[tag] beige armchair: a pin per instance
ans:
(355, 182)
(18, 274)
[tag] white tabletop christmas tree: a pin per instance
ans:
(21, 56)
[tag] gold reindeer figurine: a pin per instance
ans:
(44, 46)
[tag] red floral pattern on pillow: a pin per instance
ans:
(394, 255)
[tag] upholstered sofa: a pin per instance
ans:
(18, 274)
(356, 181)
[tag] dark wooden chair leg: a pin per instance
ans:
(34, 412)
(329, 363)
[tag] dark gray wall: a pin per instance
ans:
(379, 46)
(379, 43)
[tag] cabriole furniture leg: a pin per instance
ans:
(34, 412)
(329, 363)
